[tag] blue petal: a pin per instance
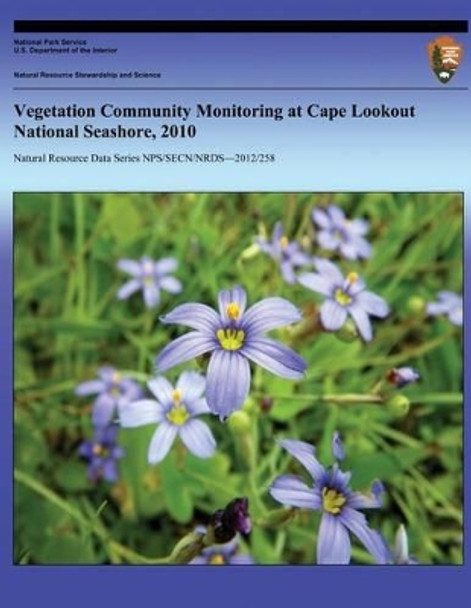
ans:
(278, 232)
(198, 438)
(110, 471)
(364, 249)
(456, 315)
(333, 315)
(128, 289)
(317, 283)
(197, 407)
(328, 240)
(103, 409)
(241, 559)
(275, 357)
(321, 218)
(337, 215)
(269, 314)
(227, 382)
(151, 295)
(165, 265)
(357, 524)
(90, 387)
(449, 297)
(226, 296)
(333, 543)
(292, 491)
(161, 388)
(146, 411)
(161, 442)
(170, 284)
(107, 373)
(329, 270)
(358, 227)
(197, 316)
(130, 266)
(305, 454)
(372, 304)
(191, 384)
(362, 321)
(349, 250)
(183, 349)
(287, 272)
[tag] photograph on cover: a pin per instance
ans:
(238, 378)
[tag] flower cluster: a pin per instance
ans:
(113, 391)
(231, 338)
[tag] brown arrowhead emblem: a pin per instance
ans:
(445, 55)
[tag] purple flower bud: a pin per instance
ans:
(337, 447)
(402, 376)
(230, 520)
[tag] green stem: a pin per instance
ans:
(96, 527)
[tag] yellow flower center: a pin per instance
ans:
(233, 311)
(231, 339)
(342, 298)
(178, 415)
(99, 450)
(332, 501)
(217, 560)
(284, 242)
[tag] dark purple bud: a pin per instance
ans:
(402, 376)
(234, 518)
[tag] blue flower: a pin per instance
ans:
(102, 454)
(221, 555)
(113, 389)
(288, 255)
(149, 276)
(332, 496)
(449, 304)
(337, 232)
(175, 412)
(234, 336)
(344, 296)
(402, 376)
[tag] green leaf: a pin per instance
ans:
(176, 494)
(72, 476)
(366, 468)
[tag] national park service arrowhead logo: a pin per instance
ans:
(445, 55)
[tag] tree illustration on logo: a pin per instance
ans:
(437, 58)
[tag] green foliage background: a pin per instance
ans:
(68, 322)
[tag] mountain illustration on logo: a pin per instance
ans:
(445, 56)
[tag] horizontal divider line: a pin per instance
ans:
(241, 27)
(240, 88)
